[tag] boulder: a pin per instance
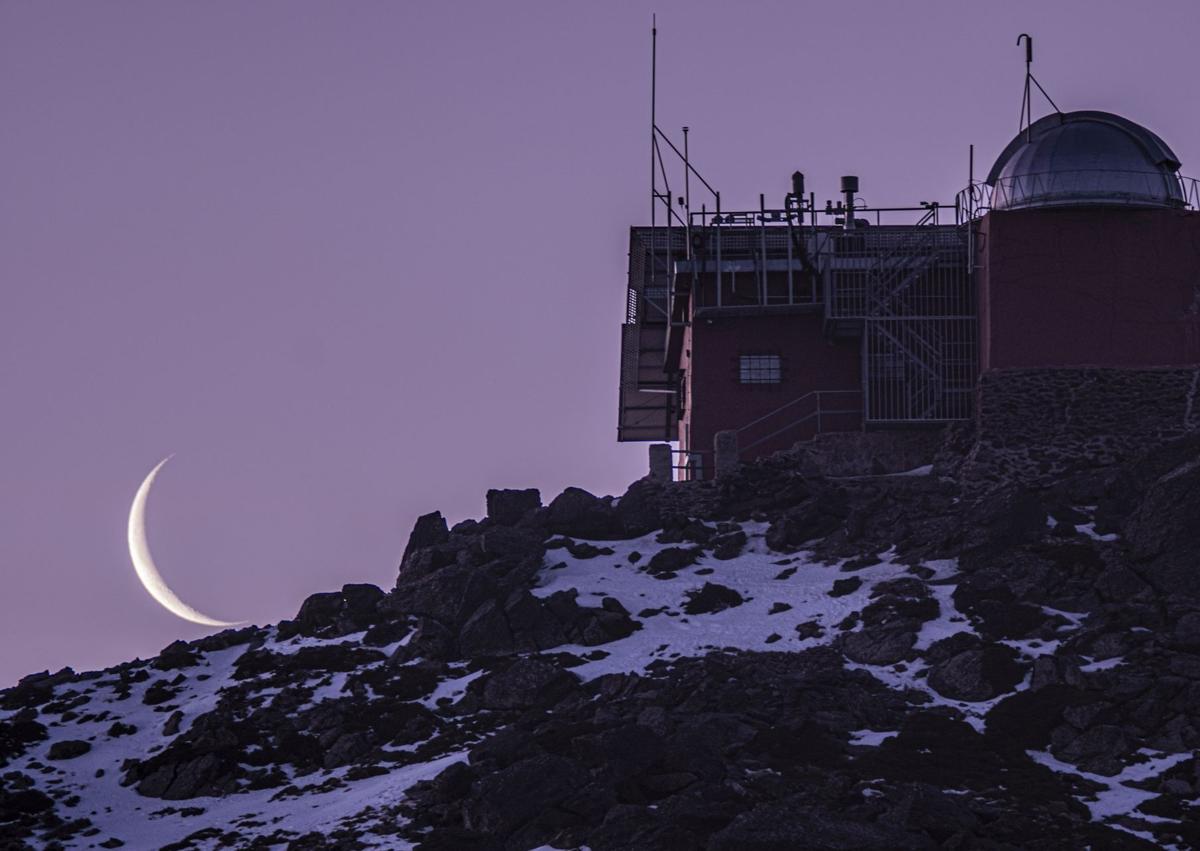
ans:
(666, 562)
(431, 640)
(486, 632)
(712, 598)
(68, 749)
(177, 654)
(17, 733)
(729, 545)
(813, 518)
(429, 530)
(507, 507)
(978, 674)
(507, 799)
(352, 609)
(449, 596)
(639, 511)
(1003, 519)
(793, 823)
(526, 683)
(878, 645)
(579, 514)
(842, 587)
(1163, 534)
(1187, 630)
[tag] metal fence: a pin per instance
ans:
(1078, 186)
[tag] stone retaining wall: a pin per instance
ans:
(1033, 425)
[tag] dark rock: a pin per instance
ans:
(507, 507)
(352, 609)
(669, 560)
(453, 783)
(585, 550)
(34, 689)
(814, 518)
(68, 749)
(486, 632)
(579, 514)
(386, 632)
(639, 511)
(712, 598)
(1163, 534)
(512, 544)
(793, 823)
(429, 530)
(177, 654)
(1099, 749)
(729, 546)
(1187, 630)
(449, 596)
(431, 640)
(1003, 519)
(17, 733)
(877, 645)
(842, 587)
(346, 749)
(809, 629)
(279, 667)
(980, 674)
(507, 799)
(525, 683)
(158, 692)
(998, 614)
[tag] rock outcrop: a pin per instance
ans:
(777, 659)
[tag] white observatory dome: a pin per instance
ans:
(1085, 159)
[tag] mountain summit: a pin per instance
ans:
(781, 658)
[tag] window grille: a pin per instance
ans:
(760, 369)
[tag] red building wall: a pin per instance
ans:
(716, 400)
(1101, 286)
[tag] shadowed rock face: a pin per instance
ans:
(1164, 532)
(844, 686)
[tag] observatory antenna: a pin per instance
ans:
(1027, 101)
(660, 184)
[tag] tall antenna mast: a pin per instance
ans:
(653, 115)
(1026, 122)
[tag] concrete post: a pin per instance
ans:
(660, 462)
(725, 452)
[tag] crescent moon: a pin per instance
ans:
(143, 563)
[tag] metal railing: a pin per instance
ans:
(694, 465)
(823, 406)
(1078, 186)
(777, 257)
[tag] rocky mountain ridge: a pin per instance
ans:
(774, 660)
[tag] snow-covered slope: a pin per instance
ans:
(365, 724)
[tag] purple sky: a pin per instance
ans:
(358, 261)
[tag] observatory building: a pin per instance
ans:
(755, 329)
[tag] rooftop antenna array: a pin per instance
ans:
(660, 184)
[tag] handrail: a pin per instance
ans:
(1122, 187)
(820, 412)
(817, 413)
(796, 401)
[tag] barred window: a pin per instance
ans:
(760, 369)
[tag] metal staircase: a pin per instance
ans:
(906, 294)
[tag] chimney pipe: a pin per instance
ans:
(849, 188)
